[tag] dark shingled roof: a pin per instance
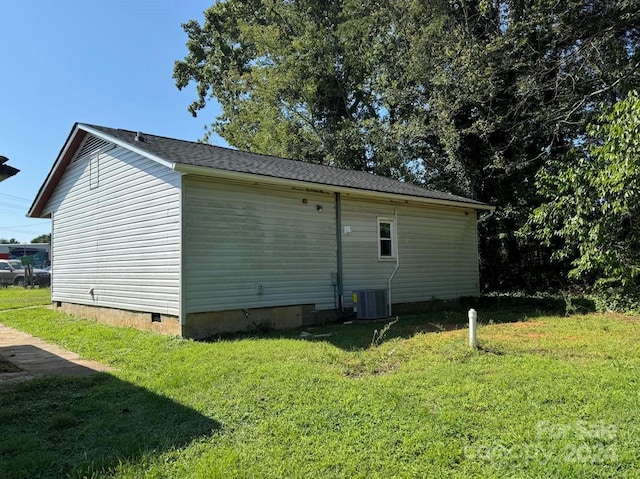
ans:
(226, 159)
(6, 171)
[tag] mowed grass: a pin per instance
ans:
(12, 297)
(544, 396)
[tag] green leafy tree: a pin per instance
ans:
(593, 203)
(293, 79)
(511, 86)
(43, 238)
(472, 97)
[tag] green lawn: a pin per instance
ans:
(545, 396)
(12, 297)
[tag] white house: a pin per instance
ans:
(193, 239)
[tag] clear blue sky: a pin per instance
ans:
(106, 62)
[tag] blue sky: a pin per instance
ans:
(106, 62)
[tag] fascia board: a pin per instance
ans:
(268, 180)
(127, 145)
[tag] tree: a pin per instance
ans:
(43, 238)
(512, 86)
(9, 241)
(472, 97)
(306, 80)
(593, 203)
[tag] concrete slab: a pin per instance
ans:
(36, 358)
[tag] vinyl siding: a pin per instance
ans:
(116, 230)
(240, 235)
(438, 254)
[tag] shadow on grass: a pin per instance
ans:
(58, 427)
(439, 316)
(32, 361)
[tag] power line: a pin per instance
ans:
(13, 209)
(13, 197)
(13, 232)
(32, 225)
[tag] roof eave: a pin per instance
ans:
(241, 176)
(78, 132)
(125, 144)
(7, 171)
(57, 169)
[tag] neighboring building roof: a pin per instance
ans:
(6, 171)
(182, 155)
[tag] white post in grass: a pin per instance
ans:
(473, 320)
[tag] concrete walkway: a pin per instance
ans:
(36, 358)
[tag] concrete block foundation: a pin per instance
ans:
(206, 324)
(158, 323)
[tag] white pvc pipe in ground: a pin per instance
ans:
(473, 321)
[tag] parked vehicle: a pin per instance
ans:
(12, 273)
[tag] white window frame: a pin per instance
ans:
(394, 238)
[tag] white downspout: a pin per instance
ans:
(395, 240)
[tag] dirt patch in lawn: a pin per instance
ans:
(7, 366)
(436, 327)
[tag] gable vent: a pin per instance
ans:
(91, 146)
